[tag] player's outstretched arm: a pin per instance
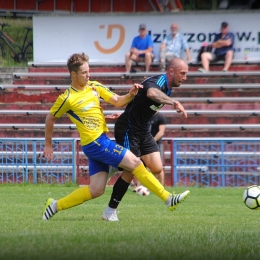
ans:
(120, 101)
(180, 109)
(159, 97)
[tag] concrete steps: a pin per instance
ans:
(154, 67)
(39, 133)
(6, 74)
(25, 106)
(221, 119)
(199, 78)
(199, 98)
(183, 97)
(30, 119)
(28, 97)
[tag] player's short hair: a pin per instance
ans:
(76, 60)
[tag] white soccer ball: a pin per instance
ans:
(142, 191)
(251, 197)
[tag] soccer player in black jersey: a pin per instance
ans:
(132, 127)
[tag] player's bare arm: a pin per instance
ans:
(49, 125)
(120, 101)
(159, 97)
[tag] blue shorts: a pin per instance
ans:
(103, 152)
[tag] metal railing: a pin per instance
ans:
(21, 161)
(223, 162)
(199, 162)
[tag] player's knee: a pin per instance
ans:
(136, 162)
(156, 170)
(96, 191)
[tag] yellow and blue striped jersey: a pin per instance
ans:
(84, 110)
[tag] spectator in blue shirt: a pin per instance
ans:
(141, 49)
(172, 46)
(223, 45)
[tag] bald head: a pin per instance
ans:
(177, 63)
(176, 72)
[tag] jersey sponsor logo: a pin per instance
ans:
(119, 43)
(87, 107)
(91, 123)
(155, 108)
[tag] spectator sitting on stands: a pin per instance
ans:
(171, 47)
(223, 45)
(141, 50)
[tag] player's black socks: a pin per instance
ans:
(118, 193)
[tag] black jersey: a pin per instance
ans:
(140, 110)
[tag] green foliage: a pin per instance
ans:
(213, 223)
(17, 32)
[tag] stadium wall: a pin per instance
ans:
(108, 37)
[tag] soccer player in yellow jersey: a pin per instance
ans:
(81, 103)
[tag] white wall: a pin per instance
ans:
(57, 37)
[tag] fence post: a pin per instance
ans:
(173, 179)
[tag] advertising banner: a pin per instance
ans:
(107, 38)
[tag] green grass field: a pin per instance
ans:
(213, 223)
